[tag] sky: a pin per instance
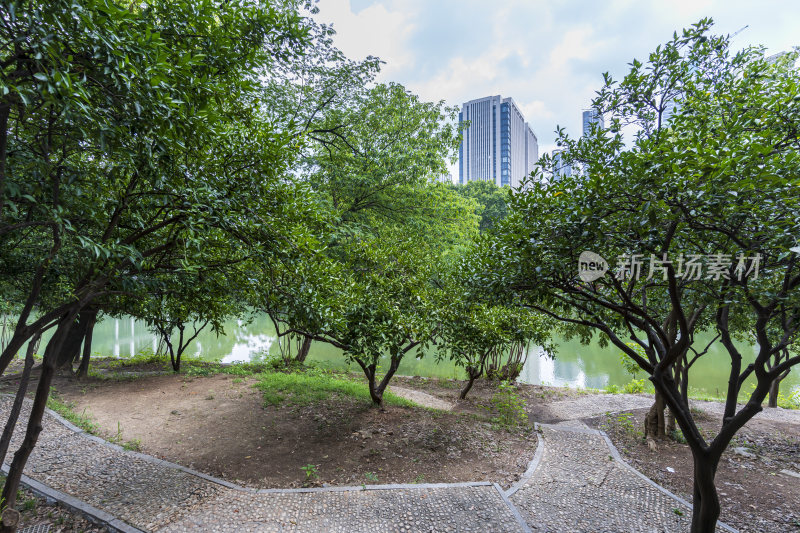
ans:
(548, 56)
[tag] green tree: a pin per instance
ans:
(719, 178)
(492, 201)
(133, 143)
(373, 170)
(479, 333)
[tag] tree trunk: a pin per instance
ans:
(472, 377)
(670, 429)
(72, 345)
(17, 341)
(83, 369)
(375, 394)
(773, 393)
(302, 353)
(13, 416)
(9, 520)
(654, 422)
(9, 495)
(705, 504)
(5, 112)
(376, 390)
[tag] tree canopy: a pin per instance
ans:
(695, 215)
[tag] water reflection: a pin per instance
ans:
(575, 365)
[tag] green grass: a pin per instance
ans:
(143, 357)
(243, 369)
(134, 445)
(315, 386)
(67, 411)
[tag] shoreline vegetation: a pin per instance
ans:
(314, 375)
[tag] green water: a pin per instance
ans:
(575, 365)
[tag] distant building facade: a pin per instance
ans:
(560, 167)
(591, 116)
(498, 145)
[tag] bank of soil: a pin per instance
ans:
(220, 425)
(757, 495)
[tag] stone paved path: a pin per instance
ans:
(579, 486)
(574, 483)
(590, 405)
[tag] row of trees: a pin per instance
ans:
(185, 164)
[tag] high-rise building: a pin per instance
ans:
(498, 145)
(560, 167)
(591, 116)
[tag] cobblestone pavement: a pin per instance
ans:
(578, 486)
(575, 483)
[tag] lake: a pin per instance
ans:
(575, 365)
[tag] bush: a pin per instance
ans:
(635, 386)
(510, 408)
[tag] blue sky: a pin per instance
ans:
(548, 56)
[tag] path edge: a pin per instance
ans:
(517, 515)
(532, 466)
(94, 515)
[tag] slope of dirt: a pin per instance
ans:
(220, 425)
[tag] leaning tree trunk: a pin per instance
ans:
(302, 353)
(473, 374)
(72, 344)
(376, 389)
(83, 369)
(13, 416)
(34, 427)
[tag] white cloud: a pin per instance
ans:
(375, 30)
(548, 56)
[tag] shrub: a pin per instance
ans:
(510, 408)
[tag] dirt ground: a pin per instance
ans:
(755, 496)
(220, 425)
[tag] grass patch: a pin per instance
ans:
(144, 357)
(67, 411)
(243, 369)
(133, 445)
(315, 386)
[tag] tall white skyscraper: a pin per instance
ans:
(498, 145)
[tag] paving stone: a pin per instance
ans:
(578, 487)
(153, 496)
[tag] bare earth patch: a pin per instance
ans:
(220, 425)
(755, 495)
